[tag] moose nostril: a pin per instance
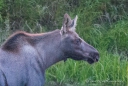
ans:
(95, 56)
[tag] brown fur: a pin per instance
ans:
(15, 41)
(21, 38)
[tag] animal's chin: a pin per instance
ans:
(89, 59)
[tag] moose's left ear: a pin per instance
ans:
(74, 23)
(66, 23)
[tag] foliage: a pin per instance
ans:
(102, 23)
(109, 70)
(35, 14)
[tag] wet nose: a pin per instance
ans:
(95, 56)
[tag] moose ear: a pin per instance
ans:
(74, 23)
(66, 23)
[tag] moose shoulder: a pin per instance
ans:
(24, 57)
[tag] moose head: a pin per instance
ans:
(75, 47)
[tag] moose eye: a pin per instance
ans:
(77, 41)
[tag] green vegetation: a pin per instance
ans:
(102, 23)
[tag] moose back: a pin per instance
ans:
(24, 57)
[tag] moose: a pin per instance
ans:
(24, 57)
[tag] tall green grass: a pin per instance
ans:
(101, 23)
(112, 68)
(109, 70)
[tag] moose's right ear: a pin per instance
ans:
(66, 23)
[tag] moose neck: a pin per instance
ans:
(50, 48)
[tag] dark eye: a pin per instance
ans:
(77, 41)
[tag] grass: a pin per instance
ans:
(102, 23)
(109, 70)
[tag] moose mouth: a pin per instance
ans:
(91, 60)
